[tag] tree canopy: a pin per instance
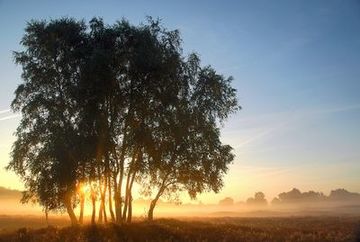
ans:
(106, 106)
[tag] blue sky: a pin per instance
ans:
(296, 67)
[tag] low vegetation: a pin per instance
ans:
(214, 229)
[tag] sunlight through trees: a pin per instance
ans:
(107, 106)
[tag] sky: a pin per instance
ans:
(295, 65)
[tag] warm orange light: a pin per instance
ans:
(84, 188)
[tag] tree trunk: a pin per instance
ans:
(118, 191)
(70, 210)
(153, 204)
(154, 201)
(101, 207)
(129, 216)
(105, 215)
(82, 203)
(102, 212)
(82, 197)
(103, 189)
(125, 201)
(104, 209)
(100, 218)
(127, 191)
(93, 200)
(118, 187)
(110, 201)
(117, 200)
(129, 181)
(106, 175)
(151, 210)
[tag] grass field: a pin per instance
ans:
(201, 229)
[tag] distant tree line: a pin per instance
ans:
(296, 196)
(258, 200)
(107, 106)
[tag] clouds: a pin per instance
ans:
(5, 111)
(311, 147)
(265, 172)
(7, 115)
(264, 126)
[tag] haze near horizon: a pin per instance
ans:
(295, 67)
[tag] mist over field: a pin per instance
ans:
(179, 121)
(339, 202)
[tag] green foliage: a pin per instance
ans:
(45, 152)
(100, 103)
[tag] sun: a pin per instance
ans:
(84, 188)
